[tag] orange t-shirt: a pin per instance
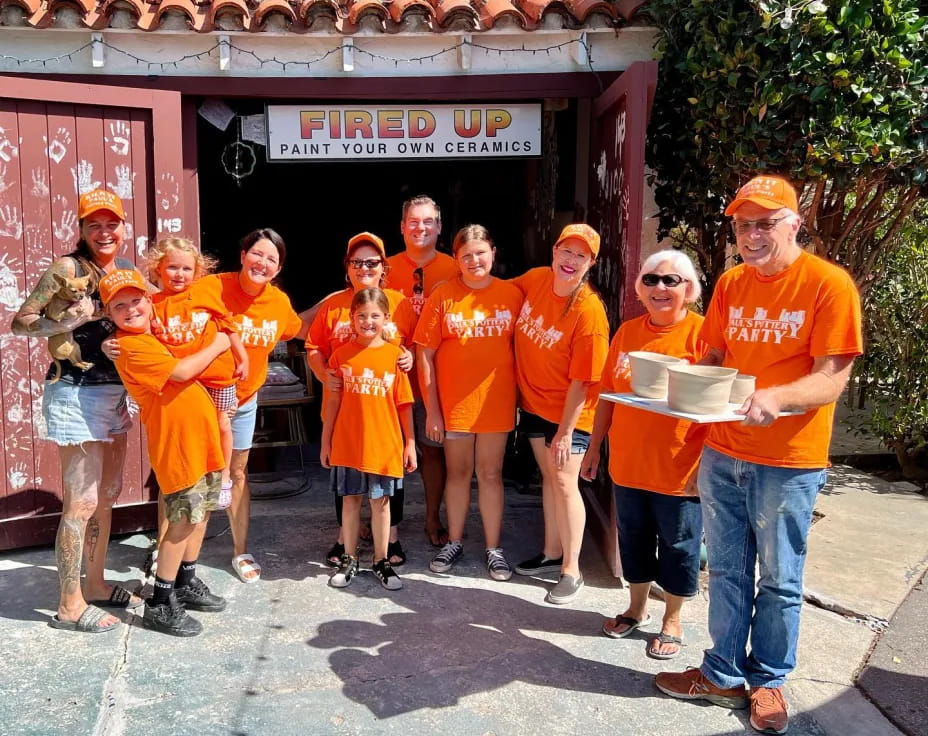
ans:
(651, 451)
(332, 325)
(552, 350)
(261, 321)
(471, 332)
(367, 434)
(179, 417)
(773, 327)
(417, 289)
(190, 321)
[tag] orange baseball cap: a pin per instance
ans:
(584, 232)
(116, 281)
(769, 192)
(99, 199)
(367, 239)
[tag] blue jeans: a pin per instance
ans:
(751, 513)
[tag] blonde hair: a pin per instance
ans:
(204, 264)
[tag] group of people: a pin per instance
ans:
(430, 361)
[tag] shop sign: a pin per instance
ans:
(361, 132)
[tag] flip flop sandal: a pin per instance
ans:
(439, 534)
(88, 623)
(630, 622)
(655, 651)
(119, 598)
(395, 549)
(244, 564)
(333, 558)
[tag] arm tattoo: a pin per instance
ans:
(92, 537)
(29, 321)
(68, 545)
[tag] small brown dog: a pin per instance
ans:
(69, 301)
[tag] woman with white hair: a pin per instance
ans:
(653, 458)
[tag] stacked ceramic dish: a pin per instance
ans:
(649, 373)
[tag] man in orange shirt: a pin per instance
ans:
(183, 447)
(792, 320)
(416, 272)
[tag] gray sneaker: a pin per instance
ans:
(446, 557)
(565, 590)
(497, 565)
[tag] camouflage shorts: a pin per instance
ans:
(195, 503)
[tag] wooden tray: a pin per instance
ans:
(659, 406)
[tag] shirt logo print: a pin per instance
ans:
(761, 328)
(534, 329)
(258, 335)
(479, 325)
(367, 383)
(181, 333)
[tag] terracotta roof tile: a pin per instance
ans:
(325, 15)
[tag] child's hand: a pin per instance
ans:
(157, 327)
(333, 380)
(405, 361)
(110, 348)
(434, 426)
(241, 370)
(324, 451)
(409, 456)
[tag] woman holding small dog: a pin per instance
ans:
(84, 406)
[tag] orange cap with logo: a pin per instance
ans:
(769, 192)
(367, 239)
(584, 232)
(99, 199)
(116, 281)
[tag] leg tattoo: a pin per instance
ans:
(92, 537)
(68, 545)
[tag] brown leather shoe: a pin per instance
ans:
(693, 685)
(768, 710)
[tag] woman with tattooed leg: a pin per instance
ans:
(85, 412)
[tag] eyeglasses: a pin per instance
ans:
(573, 255)
(743, 227)
(667, 279)
(418, 281)
(360, 263)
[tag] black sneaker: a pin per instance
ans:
(446, 557)
(197, 597)
(566, 589)
(387, 575)
(347, 569)
(498, 566)
(171, 618)
(538, 564)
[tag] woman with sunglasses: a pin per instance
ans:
(365, 267)
(561, 341)
(653, 468)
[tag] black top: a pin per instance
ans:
(90, 336)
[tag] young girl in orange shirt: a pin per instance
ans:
(188, 318)
(367, 433)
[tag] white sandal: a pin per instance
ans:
(243, 569)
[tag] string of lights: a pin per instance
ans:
(308, 63)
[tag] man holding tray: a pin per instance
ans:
(792, 320)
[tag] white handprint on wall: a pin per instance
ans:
(83, 177)
(58, 148)
(65, 228)
(123, 186)
(11, 224)
(17, 476)
(4, 183)
(141, 245)
(168, 192)
(8, 151)
(10, 296)
(119, 138)
(39, 183)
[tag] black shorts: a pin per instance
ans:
(532, 425)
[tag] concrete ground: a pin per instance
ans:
(456, 654)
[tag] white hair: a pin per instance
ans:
(681, 264)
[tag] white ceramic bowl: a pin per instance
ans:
(742, 387)
(649, 373)
(699, 389)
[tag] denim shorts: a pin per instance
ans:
(88, 413)
(418, 419)
(659, 538)
(243, 425)
(351, 482)
(532, 425)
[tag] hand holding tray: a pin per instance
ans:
(659, 406)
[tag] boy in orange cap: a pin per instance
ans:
(183, 446)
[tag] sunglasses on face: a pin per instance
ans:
(743, 227)
(360, 263)
(668, 279)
